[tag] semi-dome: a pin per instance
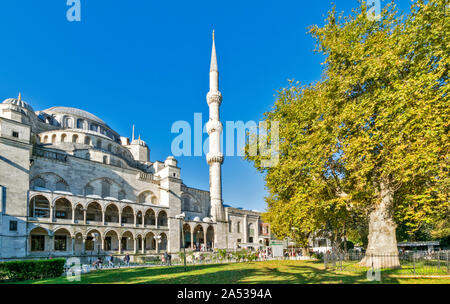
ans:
(74, 111)
(18, 102)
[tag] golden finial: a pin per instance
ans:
(20, 97)
(213, 35)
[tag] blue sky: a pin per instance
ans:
(146, 62)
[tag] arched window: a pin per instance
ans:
(53, 138)
(106, 188)
(230, 226)
(162, 219)
(186, 203)
(238, 226)
(94, 127)
(61, 186)
(105, 159)
(87, 140)
(45, 140)
(39, 207)
(109, 148)
(75, 138)
(99, 144)
(63, 137)
(80, 124)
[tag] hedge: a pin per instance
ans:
(31, 269)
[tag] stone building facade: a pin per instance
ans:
(71, 185)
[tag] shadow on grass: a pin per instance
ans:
(272, 272)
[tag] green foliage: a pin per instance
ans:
(378, 118)
(31, 269)
(222, 254)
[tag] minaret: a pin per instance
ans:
(214, 128)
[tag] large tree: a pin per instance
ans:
(371, 137)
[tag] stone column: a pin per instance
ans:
(143, 245)
(83, 249)
(103, 217)
(157, 246)
(156, 221)
(52, 215)
(51, 239)
(85, 216)
(73, 215)
(245, 228)
(192, 239)
(135, 219)
(103, 243)
(135, 240)
(120, 245)
(204, 238)
(73, 245)
(120, 218)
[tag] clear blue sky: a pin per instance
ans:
(146, 62)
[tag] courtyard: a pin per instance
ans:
(276, 272)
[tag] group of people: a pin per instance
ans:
(110, 260)
(167, 259)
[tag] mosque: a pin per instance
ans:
(72, 186)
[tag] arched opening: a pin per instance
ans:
(238, 227)
(163, 244)
(112, 214)
(150, 218)
(39, 240)
(99, 144)
(139, 242)
(79, 213)
(210, 238)
(63, 137)
(187, 236)
(147, 197)
(94, 212)
(109, 148)
(93, 241)
(162, 219)
(87, 140)
(62, 240)
(40, 207)
(186, 203)
(45, 140)
(111, 241)
(139, 218)
(127, 215)
(75, 138)
(127, 241)
(251, 232)
(105, 159)
(199, 237)
(53, 138)
(80, 123)
(63, 209)
(149, 241)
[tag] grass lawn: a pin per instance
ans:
(281, 272)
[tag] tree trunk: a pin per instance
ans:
(305, 251)
(382, 249)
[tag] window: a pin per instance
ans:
(105, 159)
(239, 227)
(15, 134)
(124, 243)
(12, 225)
(37, 243)
(230, 226)
(238, 240)
(60, 214)
(105, 188)
(39, 182)
(89, 243)
(60, 243)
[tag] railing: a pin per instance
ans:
(408, 263)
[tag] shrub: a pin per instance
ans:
(31, 269)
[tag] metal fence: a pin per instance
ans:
(411, 263)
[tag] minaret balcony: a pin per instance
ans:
(213, 97)
(214, 158)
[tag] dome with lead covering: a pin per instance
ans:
(18, 102)
(76, 112)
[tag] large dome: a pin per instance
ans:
(18, 102)
(74, 111)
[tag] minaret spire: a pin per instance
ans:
(214, 128)
(19, 98)
(132, 136)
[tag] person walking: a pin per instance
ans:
(111, 260)
(126, 259)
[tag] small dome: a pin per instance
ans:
(18, 102)
(207, 220)
(196, 219)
